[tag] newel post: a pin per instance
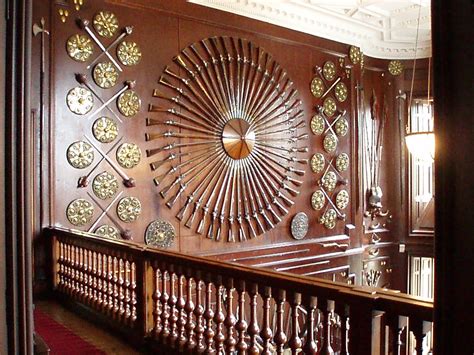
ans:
(360, 333)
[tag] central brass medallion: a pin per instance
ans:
(238, 138)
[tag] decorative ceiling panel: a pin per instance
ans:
(381, 28)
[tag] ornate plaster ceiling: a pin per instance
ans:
(381, 28)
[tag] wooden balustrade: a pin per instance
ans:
(172, 302)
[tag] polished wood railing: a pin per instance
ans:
(172, 302)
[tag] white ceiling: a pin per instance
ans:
(381, 28)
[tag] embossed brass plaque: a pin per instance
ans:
(317, 87)
(129, 103)
(329, 219)
(318, 200)
(129, 209)
(80, 100)
(329, 106)
(354, 54)
(108, 231)
(329, 70)
(317, 124)
(299, 225)
(330, 143)
(128, 155)
(317, 162)
(340, 91)
(395, 67)
(329, 181)
(342, 162)
(105, 185)
(342, 199)
(129, 53)
(341, 127)
(106, 24)
(105, 75)
(105, 129)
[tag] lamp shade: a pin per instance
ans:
(421, 145)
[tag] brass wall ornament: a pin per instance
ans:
(108, 231)
(129, 209)
(355, 54)
(80, 155)
(395, 67)
(79, 47)
(329, 70)
(105, 130)
(317, 87)
(329, 181)
(106, 24)
(129, 53)
(318, 200)
(129, 103)
(328, 219)
(299, 225)
(160, 234)
(342, 199)
(317, 124)
(128, 155)
(235, 155)
(329, 106)
(342, 162)
(340, 91)
(105, 185)
(80, 100)
(105, 75)
(317, 163)
(341, 127)
(79, 212)
(330, 143)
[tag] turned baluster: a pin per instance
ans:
(219, 317)
(189, 309)
(280, 336)
(266, 334)
(69, 272)
(295, 340)
(121, 290)
(133, 291)
(59, 278)
(73, 271)
(343, 311)
(172, 301)
(326, 347)
(241, 325)
(230, 319)
(83, 277)
(164, 304)
(110, 282)
(180, 307)
(253, 329)
(199, 312)
(116, 276)
(208, 316)
(156, 303)
(419, 328)
(128, 296)
(93, 270)
(102, 261)
(310, 346)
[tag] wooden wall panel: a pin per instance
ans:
(162, 29)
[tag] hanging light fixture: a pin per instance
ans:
(421, 144)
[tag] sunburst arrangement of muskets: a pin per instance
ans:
(226, 141)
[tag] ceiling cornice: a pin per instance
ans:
(382, 29)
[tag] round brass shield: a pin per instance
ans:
(317, 162)
(108, 231)
(128, 155)
(330, 143)
(129, 209)
(79, 212)
(299, 225)
(80, 100)
(80, 155)
(341, 127)
(129, 103)
(330, 106)
(318, 200)
(160, 234)
(105, 75)
(79, 47)
(317, 124)
(105, 185)
(106, 24)
(129, 53)
(317, 87)
(342, 199)
(340, 91)
(395, 67)
(329, 181)
(329, 70)
(105, 129)
(342, 162)
(329, 219)
(354, 54)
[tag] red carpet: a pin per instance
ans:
(60, 339)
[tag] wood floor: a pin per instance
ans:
(100, 338)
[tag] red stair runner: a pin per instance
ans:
(60, 339)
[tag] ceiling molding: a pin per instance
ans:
(382, 29)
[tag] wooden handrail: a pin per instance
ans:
(181, 301)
